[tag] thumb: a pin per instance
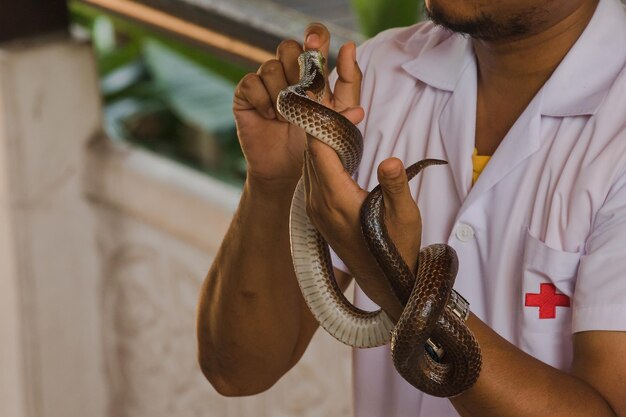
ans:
(317, 36)
(348, 86)
(402, 217)
(395, 187)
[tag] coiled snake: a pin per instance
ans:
(425, 321)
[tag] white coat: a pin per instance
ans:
(541, 236)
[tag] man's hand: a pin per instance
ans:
(334, 199)
(251, 292)
(333, 203)
(273, 148)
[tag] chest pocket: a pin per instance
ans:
(548, 282)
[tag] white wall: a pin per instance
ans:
(49, 264)
(103, 248)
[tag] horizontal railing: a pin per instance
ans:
(246, 30)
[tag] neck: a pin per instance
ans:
(536, 55)
(511, 72)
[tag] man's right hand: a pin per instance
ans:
(253, 324)
(273, 147)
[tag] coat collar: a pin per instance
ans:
(582, 80)
(578, 85)
(441, 65)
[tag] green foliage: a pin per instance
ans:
(176, 99)
(165, 96)
(130, 36)
(377, 15)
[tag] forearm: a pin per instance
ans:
(515, 384)
(251, 313)
(369, 276)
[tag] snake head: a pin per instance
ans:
(312, 64)
(311, 60)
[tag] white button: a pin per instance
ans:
(464, 232)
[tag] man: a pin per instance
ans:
(540, 86)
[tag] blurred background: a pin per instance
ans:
(119, 172)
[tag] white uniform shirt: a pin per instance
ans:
(541, 236)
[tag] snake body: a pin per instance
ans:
(425, 316)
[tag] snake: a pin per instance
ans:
(426, 321)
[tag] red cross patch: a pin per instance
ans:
(547, 300)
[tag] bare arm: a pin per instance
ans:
(514, 384)
(253, 324)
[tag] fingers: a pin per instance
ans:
(348, 86)
(259, 91)
(273, 76)
(317, 36)
(251, 94)
(288, 53)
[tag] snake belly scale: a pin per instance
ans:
(424, 297)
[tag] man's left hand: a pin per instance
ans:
(334, 201)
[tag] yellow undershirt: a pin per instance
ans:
(479, 162)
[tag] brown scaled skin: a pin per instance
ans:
(424, 299)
